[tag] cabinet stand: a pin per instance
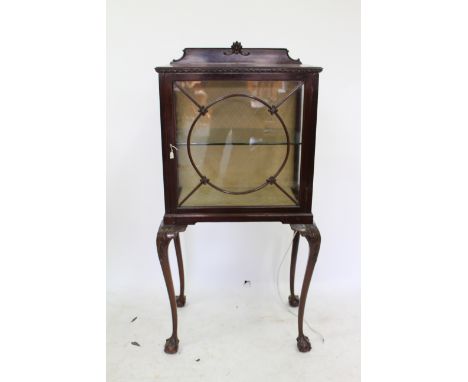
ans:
(166, 233)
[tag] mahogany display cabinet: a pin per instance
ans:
(238, 142)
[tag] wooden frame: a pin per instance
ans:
(292, 215)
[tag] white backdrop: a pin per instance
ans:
(144, 34)
(68, 76)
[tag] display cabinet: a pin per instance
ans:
(238, 142)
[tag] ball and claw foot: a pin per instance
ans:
(303, 344)
(294, 300)
(171, 346)
(180, 300)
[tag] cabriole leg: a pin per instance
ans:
(293, 298)
(165, 234)
(312, 234)
(180, 299)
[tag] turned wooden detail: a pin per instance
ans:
(166, 233)
(312, 235)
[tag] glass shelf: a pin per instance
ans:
(240, 144)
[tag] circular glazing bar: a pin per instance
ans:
(204, 109)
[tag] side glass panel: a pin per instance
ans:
(238, 142)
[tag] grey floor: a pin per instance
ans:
(246, 334)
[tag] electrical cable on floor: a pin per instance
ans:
(279, 291)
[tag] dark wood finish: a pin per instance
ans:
(293, 298)
(180, 299)
(237, 63)
(165, 234)
(236, 55)
(224, 215)
(312, 234)
(297, 137)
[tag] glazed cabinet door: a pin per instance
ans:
(237, 143)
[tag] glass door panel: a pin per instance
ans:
(238, 142)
